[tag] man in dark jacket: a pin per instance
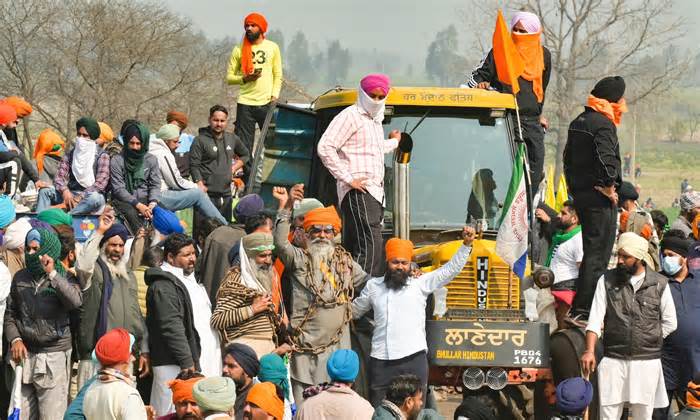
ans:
(110, 298)
(215, 156)
(135, 177)
(179, 310)
(527, 32)
(37, 326)
(404, 399)
(592, 168)
(83, 176)
(681, 352)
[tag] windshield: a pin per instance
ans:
(460, 170)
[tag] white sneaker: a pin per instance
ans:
(21, 208)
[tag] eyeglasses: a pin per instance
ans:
(328, 229)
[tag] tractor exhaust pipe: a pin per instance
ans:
(402, 195)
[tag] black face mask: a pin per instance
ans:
(252, 36)
(395, 279)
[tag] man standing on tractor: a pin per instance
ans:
(256, 65)
(353, 148)
(527, 33)
(592, 168)
(636, 307)
(398, 299)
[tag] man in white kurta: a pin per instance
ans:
(637, 309)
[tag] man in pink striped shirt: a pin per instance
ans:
(353, 148)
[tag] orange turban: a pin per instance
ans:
(264, 395)
(7, 113)
(247, 49)
(22, 107)
(399, 248)
(182, 390)
(106, 132)
(179, 117)
(45, 146)
(323, 216)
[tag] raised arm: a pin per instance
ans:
(89, 253)
(287, 252)
(429, 282)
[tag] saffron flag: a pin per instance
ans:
(512, 238)
(549, 197)
(562, 192)
(509, 63)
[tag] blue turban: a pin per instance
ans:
(166, 222)
(273, 369)
(343, 366)
(574, 395)
(7, 211)
(250, 205)
(117, 229)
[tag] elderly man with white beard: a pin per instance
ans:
(110, 298)
(249, 307)
(324, 277)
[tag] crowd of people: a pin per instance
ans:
(250, 316)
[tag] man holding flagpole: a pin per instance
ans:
(523, 71)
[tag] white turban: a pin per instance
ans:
(16, 233)
(530, 22)
(635, 246)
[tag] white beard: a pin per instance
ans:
(321, 250)
(116, 270)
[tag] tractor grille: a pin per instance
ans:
(484, 284)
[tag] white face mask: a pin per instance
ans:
(374, 107)
(671, 264)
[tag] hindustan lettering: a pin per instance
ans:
(466, 355)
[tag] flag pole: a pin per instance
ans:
(528, 181)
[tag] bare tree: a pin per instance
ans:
(590, 39)
(112, 60)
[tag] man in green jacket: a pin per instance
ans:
(110, 295)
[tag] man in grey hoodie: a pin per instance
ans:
(176, 192)
(215, 156)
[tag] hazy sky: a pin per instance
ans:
(403, 27)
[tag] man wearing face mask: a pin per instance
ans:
(83, 176)
(681, 351)
(353, 148)
(256, 65)
(636, 307)
(527, 34)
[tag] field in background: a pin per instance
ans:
(664, 165)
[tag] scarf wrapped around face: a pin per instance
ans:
(133, 159)
(612, 110)
(49, 245)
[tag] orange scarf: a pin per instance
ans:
(44, 146)
(247, 66)
(532, 53)
(692, 396)
(612, 110)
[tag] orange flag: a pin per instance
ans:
(509, 64)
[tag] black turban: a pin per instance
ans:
(91, 125)
(612, 88)
(246, 358)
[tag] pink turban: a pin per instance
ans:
(373, 81)
(530, 21)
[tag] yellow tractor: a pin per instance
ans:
(453, 167)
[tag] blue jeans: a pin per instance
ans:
(90, 203)
(178, 200)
